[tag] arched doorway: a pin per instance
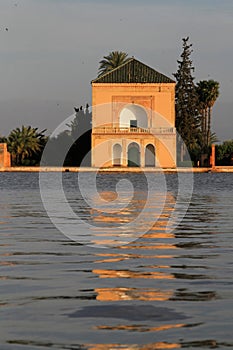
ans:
(117, 150)
(150, 156)
(133, 155)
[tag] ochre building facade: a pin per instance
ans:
(133, 118)
(5, 158)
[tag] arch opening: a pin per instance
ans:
(133, 116)
(133, 155)
(117, 151)
(150, 156)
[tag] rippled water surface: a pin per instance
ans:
(163, 289)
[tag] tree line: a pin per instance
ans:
(26, 144)
(193, 107)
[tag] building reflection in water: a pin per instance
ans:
(154, 346)
(199, 344)
(131, 274)
(129, 270)
(123, 293)
(157, 230)
(158, 239)
(135, 218)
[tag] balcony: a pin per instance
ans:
(125, 130)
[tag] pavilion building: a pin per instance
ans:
(133, 118)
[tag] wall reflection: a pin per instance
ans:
(120, 213)
(104, 273)
(158, 231)
(139, 328)
(154, 346)
(124, 293)
(152, 241)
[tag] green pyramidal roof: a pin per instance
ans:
(133, 71)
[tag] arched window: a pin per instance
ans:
(117, 150)
(150, 156)
(133, 155)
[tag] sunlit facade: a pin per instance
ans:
(5, 159)
(133, 120)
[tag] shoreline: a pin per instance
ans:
(217, 169)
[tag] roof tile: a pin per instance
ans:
(133, 71)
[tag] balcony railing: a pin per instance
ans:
(125, 130)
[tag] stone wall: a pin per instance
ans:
(5, 158)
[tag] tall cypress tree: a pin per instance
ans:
(186, 99)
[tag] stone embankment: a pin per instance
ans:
(220, 169)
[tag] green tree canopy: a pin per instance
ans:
(224, 153)
(25, 143)
(2, 139)
(113, 60)
(208, 92)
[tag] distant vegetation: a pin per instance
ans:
(224, 153)
(26, 145)
(77, 138)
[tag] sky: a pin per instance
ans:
(50, 51)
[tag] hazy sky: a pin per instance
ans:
(52, 48)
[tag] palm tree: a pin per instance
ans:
(213, 95)
(213, 138)
(25, 142)
(202, 91)
(113, 60)
(2, 139)
(208, 92)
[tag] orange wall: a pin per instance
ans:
(5, 159)
(156, 97)
(102, 148)
(158, 100)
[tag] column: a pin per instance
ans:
(142, 153)
(124, 154)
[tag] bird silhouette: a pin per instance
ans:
(76, 109)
